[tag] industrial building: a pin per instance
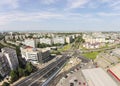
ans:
(115, 72)
(98, 77)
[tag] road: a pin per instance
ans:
(43, 80)
(30, 80)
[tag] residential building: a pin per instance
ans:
(35, 55)
(30, 42)
(69, 39)
(46, 41)
(4, 66)
(59, 40)
(11, 57)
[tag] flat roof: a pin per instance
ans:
(98, 77)
(115, 71)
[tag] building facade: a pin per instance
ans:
(59, 40)
(35, 55)
(4, 65)
(46, 41)
(11, 56)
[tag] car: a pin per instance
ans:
(79, 83)
(84, 83)
(71, 72)
(71, 84)
(77, 68)
(66, 76)
(75, 80)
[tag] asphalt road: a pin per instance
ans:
(39, 74)
(50, 73)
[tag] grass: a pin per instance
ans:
(91, 55)
(65, 48)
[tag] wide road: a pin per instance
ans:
(39, 74)
(39, 82)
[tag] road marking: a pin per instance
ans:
(43, 75)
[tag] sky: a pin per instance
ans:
(60, 15)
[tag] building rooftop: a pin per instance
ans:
(115, 71)
(31, 49)
(98, 77)
(7, 50)
(1, 55)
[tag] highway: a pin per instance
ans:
(37, 76)
(39, 82)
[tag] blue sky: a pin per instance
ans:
(60, 15)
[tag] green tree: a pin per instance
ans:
(20, 72)
(1, 78)
(18, 51)
(5, 84)
(29, 67)
(13, 75)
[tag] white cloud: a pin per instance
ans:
(115, 5)
(77, 3)
(9, 3)
(108, 14)
(48, 1)
(22, 16)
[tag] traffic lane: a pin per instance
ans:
(38, 83)
(84, 60)
(38, 77)
(33, 77)
(28, 80)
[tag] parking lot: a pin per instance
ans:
(75, 76)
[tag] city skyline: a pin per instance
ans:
(58, 15)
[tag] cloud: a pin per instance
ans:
(113, 4)
(9, 3)
(77, 3)
(104, 14)
(48, 1)
(6, 18)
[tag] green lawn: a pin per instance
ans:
(66, 47)
(91, 55)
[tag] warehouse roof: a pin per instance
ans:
(98, 77)
(115, 71)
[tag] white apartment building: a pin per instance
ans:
(35, 55)
(46, 41)
(59, 40)
(4, 66)
(69, 39)
(30, 42)
(11, 57)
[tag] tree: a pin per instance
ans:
(13, 75)
(29, 67)
(5, 84)
(18, 51)
(1, 78)
(20, 72)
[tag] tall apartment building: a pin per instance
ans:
(4, 65)
(59, 40)
(46, 41)
(35, 55)
(69, 39)
(11, 56)
(30, 42)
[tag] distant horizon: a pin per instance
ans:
(54, 31)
